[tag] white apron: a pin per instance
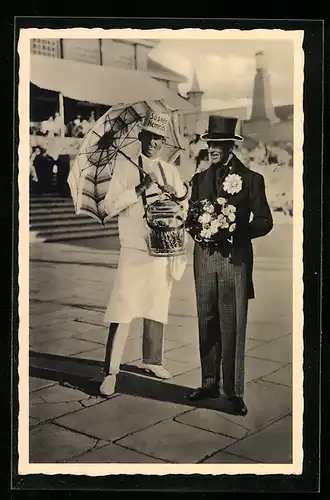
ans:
(143, 283)
(142, 288)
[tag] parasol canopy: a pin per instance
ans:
(114, 136)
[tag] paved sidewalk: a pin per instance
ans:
(147, 420)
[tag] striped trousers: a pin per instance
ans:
(222, 304)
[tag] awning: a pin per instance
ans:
(100, 84)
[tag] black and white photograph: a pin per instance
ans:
(160, 251)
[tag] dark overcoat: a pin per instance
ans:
(250, 200)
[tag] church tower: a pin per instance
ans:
(195, 93)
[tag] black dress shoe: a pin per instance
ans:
(238, 405)
(203, 393)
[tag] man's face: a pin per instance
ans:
(219, 151)
(150, 143)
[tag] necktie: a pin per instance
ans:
(221, 173)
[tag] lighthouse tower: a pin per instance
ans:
(259, 126)
(262, 105)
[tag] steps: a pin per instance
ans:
(53, 219)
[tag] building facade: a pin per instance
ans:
(130, 54)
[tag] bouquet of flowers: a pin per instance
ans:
(211, 222)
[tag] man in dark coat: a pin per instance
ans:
(223, 270)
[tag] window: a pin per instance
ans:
(46, 47)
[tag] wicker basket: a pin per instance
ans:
(165, 221)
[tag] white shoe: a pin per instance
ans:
(107, 388)
(158, 370)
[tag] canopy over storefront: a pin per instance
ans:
(100, 84)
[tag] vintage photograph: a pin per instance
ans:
(160, 251)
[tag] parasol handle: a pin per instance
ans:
(140, 168)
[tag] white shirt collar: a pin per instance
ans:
(229, 158)
(149, 162)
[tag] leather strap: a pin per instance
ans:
(162, 172)
(143, 195)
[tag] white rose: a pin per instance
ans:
(206, 233)
(232, 228)
(205, 218)
(231, 217)
(232, 184)
(224, 224)
(209, 209)
(221, 201)
(215, 226)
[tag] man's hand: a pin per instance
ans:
(169, 189)
(148, 181)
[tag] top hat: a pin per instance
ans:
(221, 128)
(157, 123)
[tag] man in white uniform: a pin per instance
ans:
(143, 283)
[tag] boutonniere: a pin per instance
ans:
(232, 184)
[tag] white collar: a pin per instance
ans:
(148, 160)
(229, 158)
(149, 164)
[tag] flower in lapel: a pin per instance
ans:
(232, 184)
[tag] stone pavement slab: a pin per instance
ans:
(277, 350)
(283, 376)
(132, 351)
(175, 442)
(33, 422)
(266, 402)
(222, 457)
(50, 443)
(65, 346)
(43, 411)
(95, 334)
(59, 394)
(41, 335)
(185, 334)
(38, 383)
(265, 331)
(252, 343)
(271, 445)
(112, 453)
(256, 368)
(213, 421)
(188, 354)
(105, 420)
(191, 378)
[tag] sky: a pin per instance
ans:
(226, 68)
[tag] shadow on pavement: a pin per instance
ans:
(85, 375)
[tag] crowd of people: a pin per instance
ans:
(273, 161)
(44, 169)
(77, 127)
